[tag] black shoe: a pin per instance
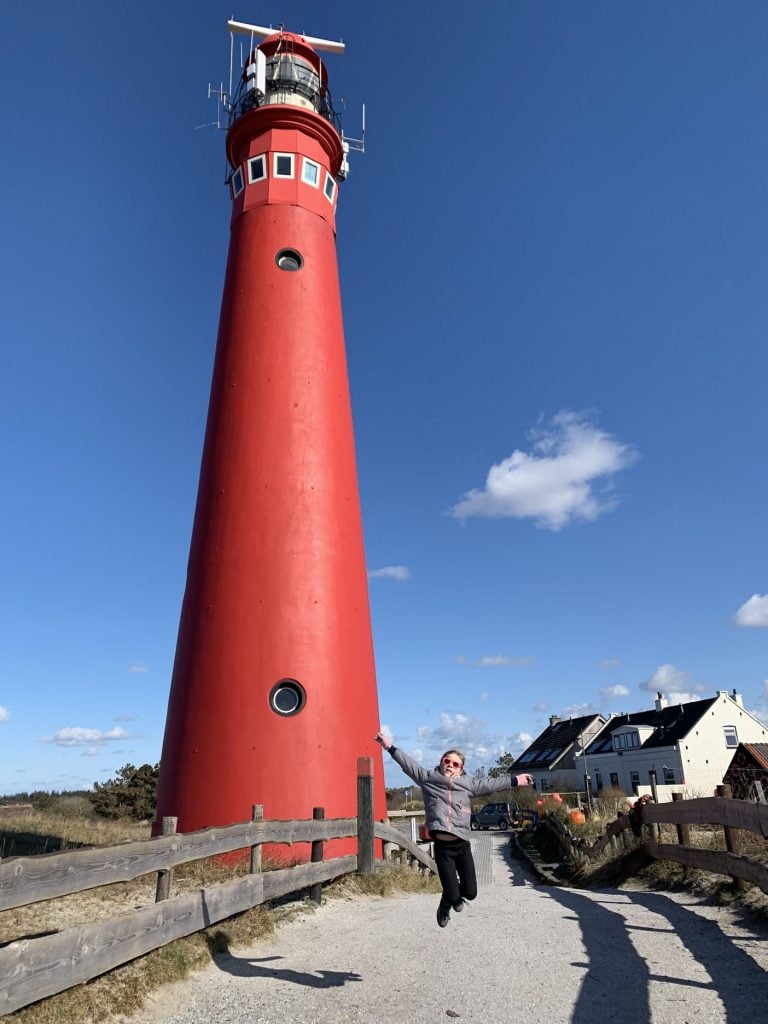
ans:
(443, 917)
(458, 907)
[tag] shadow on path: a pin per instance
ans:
(615, 986)
(518, 874)
(741, 984)
(250, 967)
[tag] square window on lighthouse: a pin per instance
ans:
(237, 183)
(283, 166)
(329, 188)
(310, 172)
(257, 169)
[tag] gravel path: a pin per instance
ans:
(521, 952)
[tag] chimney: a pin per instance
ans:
(660, 702)
(737, 699)
(553, 720)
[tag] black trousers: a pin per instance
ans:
(456, 870)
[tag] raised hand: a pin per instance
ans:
(524, 780)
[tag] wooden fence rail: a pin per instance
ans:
(25, 880)
(35, 968)
(734, 816)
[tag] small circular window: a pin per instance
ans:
(287, 697)
(289, 259)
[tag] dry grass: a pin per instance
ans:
(124, 990)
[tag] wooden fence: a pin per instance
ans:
(35, 968)
(734, 816)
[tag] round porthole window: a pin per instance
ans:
(289, 259)
(287, 697)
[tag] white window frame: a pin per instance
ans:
(730, 732)
(306, 162)
(252, 160)
(334, 186)
(235, 190)
(292, 158)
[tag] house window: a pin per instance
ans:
(731, 736)
(615, 780)
(237, 182)
(619, 741)
(310, 172)
(598, 781)
(633, 739)
(329, 188)
(634, 778)
(257, 169)
(669, 777)
(283, 167)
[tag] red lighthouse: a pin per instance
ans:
(273, 696)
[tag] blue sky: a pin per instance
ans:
(553, 262)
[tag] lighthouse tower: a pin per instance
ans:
(273, 696)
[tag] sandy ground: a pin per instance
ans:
(520, 952)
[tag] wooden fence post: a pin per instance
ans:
(365, 815)
(163, 889)
(318, 845)
(683, 831)
(257, 814)
(732, 837)
(655, 827)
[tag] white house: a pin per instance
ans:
(688, 745)
(550, 758)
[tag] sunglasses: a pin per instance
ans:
(451, 764)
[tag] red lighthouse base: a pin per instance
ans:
(273, 697)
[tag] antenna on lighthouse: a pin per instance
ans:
(258, 30)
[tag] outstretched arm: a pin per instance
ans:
(411, 768)
(485, 786)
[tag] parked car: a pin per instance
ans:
(500, 816)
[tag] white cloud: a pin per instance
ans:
(77, 736)
(5, 714)
(464, 732)
(566, 477)
(753, 613)
(138, 667)
(611, 693)
(610, 663)
(675, 697)
(90, 752)
(579, 710)
(761, 711)
(675, 684)
(496, 660)
(518, 742)
(541, 707)
(393, 572)
(459, 659)
(484, 696)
